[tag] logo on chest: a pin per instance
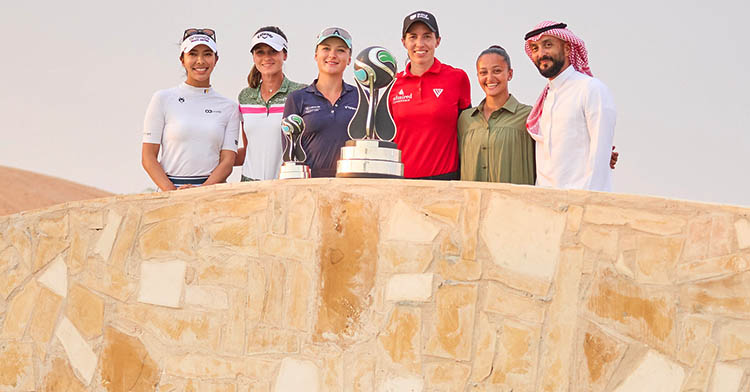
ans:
(437, 92)
(311, 109)
(212, 111)
(401, 97)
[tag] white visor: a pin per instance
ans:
(276, 41)
(198, 39)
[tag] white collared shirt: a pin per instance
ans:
(577, 129)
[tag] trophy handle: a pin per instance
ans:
(288, 148)
(385, 127)
(299, 153)
(358, 124)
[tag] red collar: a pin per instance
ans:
(435, 68)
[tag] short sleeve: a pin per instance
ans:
(232, 130)
(153, 123)
(464, 97)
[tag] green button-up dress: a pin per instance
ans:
(498, 150)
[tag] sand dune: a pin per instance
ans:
(22, 190)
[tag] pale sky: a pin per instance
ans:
(78, 76)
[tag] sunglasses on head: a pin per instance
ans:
(336, 31)
(193, 31)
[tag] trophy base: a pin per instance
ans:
(290, 170)
(370, 159)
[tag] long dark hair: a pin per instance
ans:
(253, 78)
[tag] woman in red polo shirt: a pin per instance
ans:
(426, 100)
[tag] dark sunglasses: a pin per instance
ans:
(193, 31)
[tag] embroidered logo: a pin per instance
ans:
(210, 111)
(401, 92)
(437, 92)
(311, 109)
(181, 100)
(401, 97)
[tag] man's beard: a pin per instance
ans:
(553, 70)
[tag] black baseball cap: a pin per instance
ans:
(420, 16)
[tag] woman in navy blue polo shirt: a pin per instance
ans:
(327, 104)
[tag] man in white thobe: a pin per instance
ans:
(573, 121)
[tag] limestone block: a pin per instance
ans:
(402, 336)
(726, 378)
(712, 268)
(126, 365)
(61, 378)
(78, 252)
(218, 367)
(656, 258)
(87, 219)
(14, 271)
(175, 327)
(643, 313)
(162, 283)
(461, 270)
(269, 340)
(230, 269)
(559, 332)
(240, 204)
(510, 303)
(734, 341)
(181, 210)
(273, 309)
(452, 330)
(527, 242)
(695, 333)
(47, 249)
(445, 210)
(700, 375)
(21, 242)
(348, 257)
(407, 224)
(485, 351)
(446, 376)
(108, 280)
(359, 372)
(256, 293)
(19, 311)
(401, 256)
(107, 236)
(125, 238)
(409, 287)
(55, 277)
(204, 386)
(448, 247)
(86, 311)
(300, 214)
(742, 228)
(470, 223)
(575, 216)
(300, 284)
(46, 310)
(80, 355)
(238, 234)
(655, 373)
(599, 355)
(515, 366)
(287, 248)
(170, 238)
(54, 226)
(297, 375)
(727, 296)
(233, 337)
(600, 239)
(402, 384)
(206, 297)
(636, 219)
(698, 238)
(722, 236)
(16, 366)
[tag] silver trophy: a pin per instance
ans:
(294, 156)
(372, 152)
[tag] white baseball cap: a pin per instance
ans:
(197, 39)
(276, 41)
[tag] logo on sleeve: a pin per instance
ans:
(437, 92)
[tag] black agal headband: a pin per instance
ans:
(541, 30)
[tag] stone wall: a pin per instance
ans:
(376, 285)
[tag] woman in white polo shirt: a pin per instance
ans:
(194, 127)
(262, 105)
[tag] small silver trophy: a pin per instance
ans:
(294, 156)
(371, 152)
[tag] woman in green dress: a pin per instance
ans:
(494, 145)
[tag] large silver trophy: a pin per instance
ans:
(294, 156)
(372, 152)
